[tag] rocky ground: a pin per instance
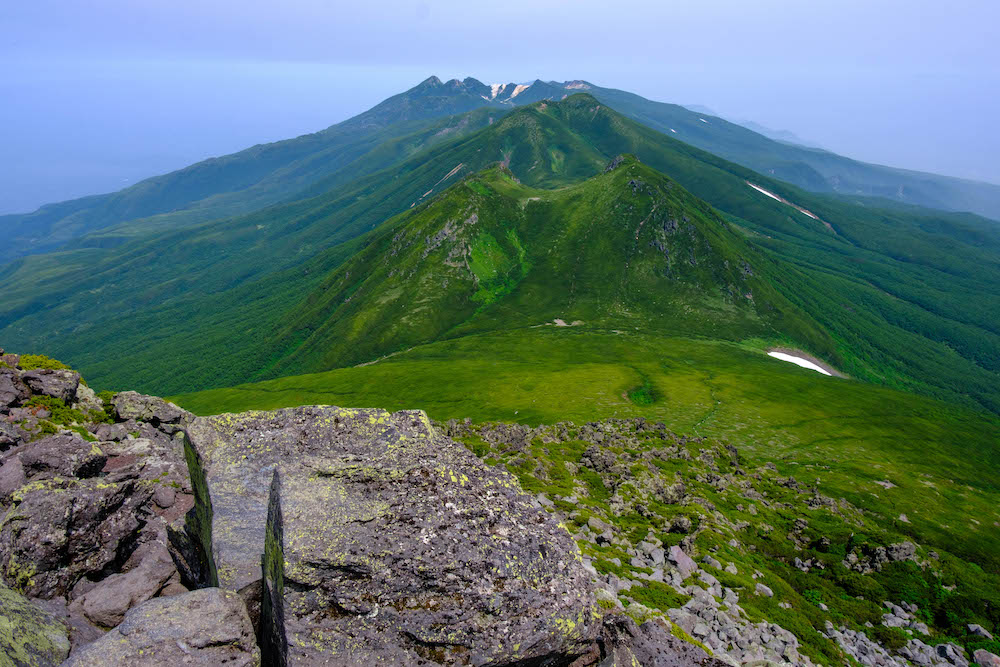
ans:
(132, 532)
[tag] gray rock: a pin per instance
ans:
(984, 658)
(681, 561)
(29, 635)
(395, 538)
(130, 405)
(13, 391)
(761, 589)
(204, 627)
(624, 643)
(61, 384)
(979, 631)
(106, 604)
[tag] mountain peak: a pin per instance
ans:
(430, 82)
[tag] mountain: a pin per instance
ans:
(270, 173)
(628, 248)
(908, 295)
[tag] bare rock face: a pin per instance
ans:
(400, 547)
(205, 627)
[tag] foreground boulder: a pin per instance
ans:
(400, 546)
(29, 637)
(204, 627)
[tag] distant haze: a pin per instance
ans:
(98, 95)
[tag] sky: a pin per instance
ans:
(98, 94)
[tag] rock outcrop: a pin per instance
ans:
(88, 496)
(400, 547)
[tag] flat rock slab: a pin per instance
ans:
(203, 627)
(400, 546)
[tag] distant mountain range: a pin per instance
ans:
(270, 173)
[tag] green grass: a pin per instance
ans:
(942, 458)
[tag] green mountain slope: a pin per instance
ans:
(813, 169)
(269, 173)
(909, 299)
(249, 180)
(628, 248)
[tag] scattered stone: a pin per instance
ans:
(761, 589)
(681, 561)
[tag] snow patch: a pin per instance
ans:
(673, 130)
(799, 361)
(763, 191)
(519, 89)
(703, 120)
(795, 206)
(495, 89)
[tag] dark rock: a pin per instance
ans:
(680, 524)
(13, 391)
(10, 360)
(11, 435)
(205, 627)
(130, 405)
(61, 384)
(66, 455)
(615, 163)
(29, 636)
(598, 459)
(272, 639)
(401, 547)
(902, 551)
(64, 530)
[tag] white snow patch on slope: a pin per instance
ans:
(703, 120)
(519, 89)
(763, 191)
(673, 130)
(495, 89)
(798, 361)
(795, 206)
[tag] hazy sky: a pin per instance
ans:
(96, 94)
